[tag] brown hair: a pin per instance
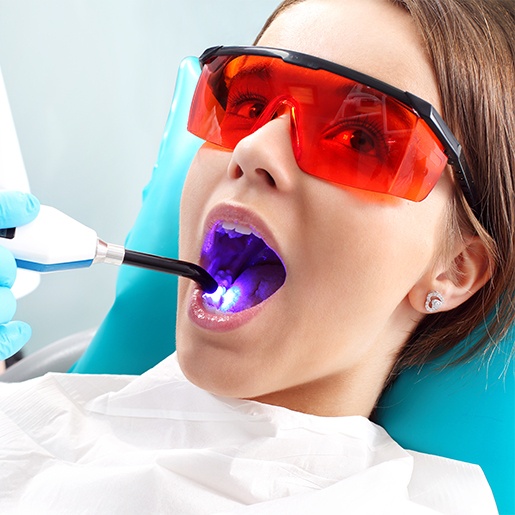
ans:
(470, 44)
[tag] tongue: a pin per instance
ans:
(256, 284)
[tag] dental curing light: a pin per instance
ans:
(55, 241)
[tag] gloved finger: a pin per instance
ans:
(7, 268)
(17, 208)
(7, 305)
(13, 336)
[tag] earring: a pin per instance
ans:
(434, 301)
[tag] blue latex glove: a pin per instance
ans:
(15, 209)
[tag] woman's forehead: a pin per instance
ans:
(371, 36)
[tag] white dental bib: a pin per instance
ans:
(158, 444)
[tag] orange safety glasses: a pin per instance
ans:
(346, 127)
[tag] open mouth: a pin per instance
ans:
(247, 270)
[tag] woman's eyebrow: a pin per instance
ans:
(260, 71)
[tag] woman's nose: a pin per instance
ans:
(266, 156)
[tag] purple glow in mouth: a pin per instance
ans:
(246, 268)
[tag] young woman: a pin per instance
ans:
(362, 268)
(351, 235)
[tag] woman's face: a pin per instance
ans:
(327, 338)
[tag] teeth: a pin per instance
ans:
(228, 226)
(236, 227)
(242, 229)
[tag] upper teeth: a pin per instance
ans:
(234, 226)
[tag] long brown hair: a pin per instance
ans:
(471, 46)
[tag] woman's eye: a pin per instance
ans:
(358, 140)
(250, 109)
(245, 105)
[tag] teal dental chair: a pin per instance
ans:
(464, 412)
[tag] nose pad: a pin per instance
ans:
(283, 106)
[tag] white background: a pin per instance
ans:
(90, 84)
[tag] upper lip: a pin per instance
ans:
(243, 216)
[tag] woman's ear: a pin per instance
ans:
(456, 280)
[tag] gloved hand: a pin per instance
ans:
(15, 209)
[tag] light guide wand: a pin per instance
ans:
(118, 255)
(55, 241)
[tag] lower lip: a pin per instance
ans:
(219, 322)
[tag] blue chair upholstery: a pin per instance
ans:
(139, 330)
(464, 412)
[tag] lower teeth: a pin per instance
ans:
(222, 300)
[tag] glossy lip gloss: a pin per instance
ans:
(218, 321)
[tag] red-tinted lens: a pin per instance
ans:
(342, 131)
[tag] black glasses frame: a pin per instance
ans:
(422, 108)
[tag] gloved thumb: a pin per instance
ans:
(13, 336)
(17, 208)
